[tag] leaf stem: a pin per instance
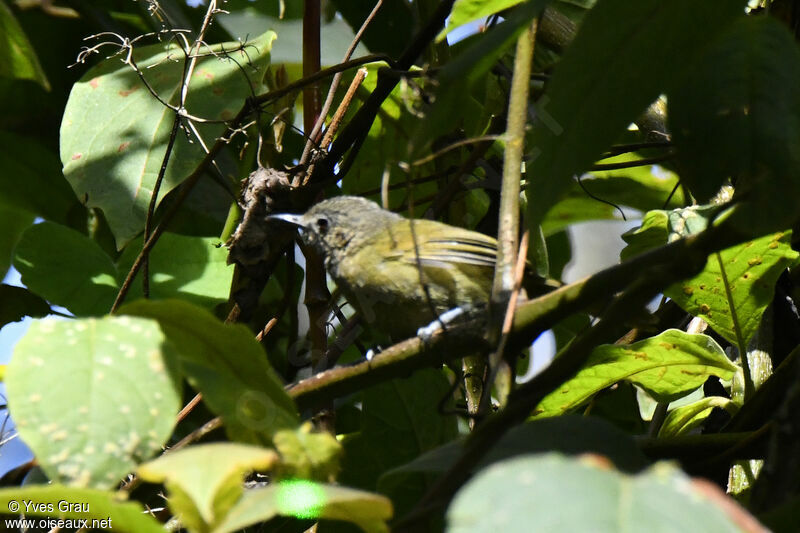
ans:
(749, 387)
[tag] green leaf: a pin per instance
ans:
(751, 271)
(568, 434)
(13, 221)
(226, 364)
(306, 454)
(31, 179)
(114, 132)
(17, 56)
(683, 419)
(387, 144)
(17, 302)
(660, 227)
(523, 494)
(389, 32)
(643, 188)
(69, 269)
(288, 47)
(194, 269)
(92, 397)
(205, 481)
(667, 366)
(624, 55)
(403, 415)
(653, 233)
(465, 11)
(307, 500)
(738, 115)
(457, 78)
(109, 510)
(782, 516)
(66, 268)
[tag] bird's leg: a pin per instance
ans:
(455, 318)
(441, 322)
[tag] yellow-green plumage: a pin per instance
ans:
(400, 274)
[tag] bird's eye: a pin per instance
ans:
(322, 225)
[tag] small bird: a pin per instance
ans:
(400, 274)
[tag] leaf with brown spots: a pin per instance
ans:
(114, 132)
(667, 366)
(751, 270)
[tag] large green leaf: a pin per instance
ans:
(13, 221)
(66, 268)
(17, 56)
(92, 397)
(71, 270)
(568, 434)
(31, 179)
(205, 481)
(527, 493)
(667, 366)
(114, 132)
(194, 269)
(402, 415)
(16, 303)
(624, 55)
(100, 509)
(227, 365)
(736, 286)
(738, 115)
(304, 499)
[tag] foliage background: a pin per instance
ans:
(686, 115)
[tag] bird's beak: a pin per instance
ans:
(295, 220)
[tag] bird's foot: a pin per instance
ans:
(372, 352)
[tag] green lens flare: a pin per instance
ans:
(300, 498)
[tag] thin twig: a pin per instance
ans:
(453, 146)
(322, 74)
(593, 197)
(312, 137)
(337, 117)
(361, 74)
(267, 328)
(311, 61)
(196, 435)
(187, 75)
(194, 402)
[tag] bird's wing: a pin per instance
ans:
(458, 250)
(439, 245)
